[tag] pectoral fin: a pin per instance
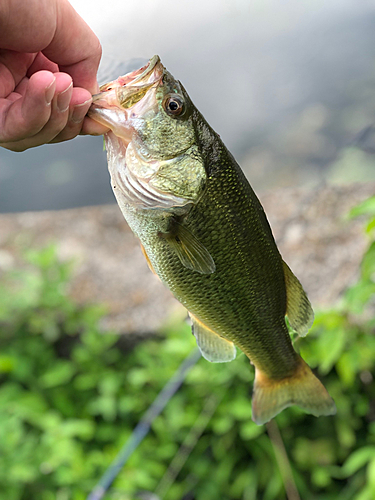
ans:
(298, 309)
(190, 251)
(213, 347)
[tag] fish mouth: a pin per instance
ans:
(128, 106)
(111, 105)
(136, 76)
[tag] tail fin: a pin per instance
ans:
(271, 396)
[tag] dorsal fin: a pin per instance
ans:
(213, 347)
(298, 308)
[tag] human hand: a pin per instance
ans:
(48, 62)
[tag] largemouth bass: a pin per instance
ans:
(203, 231)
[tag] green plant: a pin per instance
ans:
(70, 396)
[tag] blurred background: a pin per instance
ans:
(88, 337)
(288, 85)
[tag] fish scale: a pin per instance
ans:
(205, 234)
(243, 319)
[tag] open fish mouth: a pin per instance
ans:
(137, 76)
(127, 98)
(125, 105)
(127, 90)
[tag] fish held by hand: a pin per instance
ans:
(204, 233)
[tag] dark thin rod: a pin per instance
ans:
(143, 426)
(282, 460)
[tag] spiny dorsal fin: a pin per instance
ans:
(213, 347)
(298, 307)
(190, 251)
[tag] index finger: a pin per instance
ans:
(56, 29)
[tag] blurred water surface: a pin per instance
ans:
(289, 86)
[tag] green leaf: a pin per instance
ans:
(241, 409)
(222, 424)
(357, 296)
(331, 344)
(6, 364)
(250, 430)
(371, 475)
(358, 459)
(59, 374)
(368, 263)
(367, 207)
(365, 493)
(347, 368)
(321, 477)
(74, 427)
(71, 396)
(370, 226)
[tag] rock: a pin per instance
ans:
(320, 244)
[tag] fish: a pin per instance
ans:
(205, 234)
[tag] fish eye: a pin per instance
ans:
(174, 105)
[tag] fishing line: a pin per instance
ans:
(142, 428)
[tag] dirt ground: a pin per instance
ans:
(319, 243)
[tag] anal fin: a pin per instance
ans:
(213, 347)
(298, 310)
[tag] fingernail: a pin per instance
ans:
(79, 111)
(63, 99)
(49, 92)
